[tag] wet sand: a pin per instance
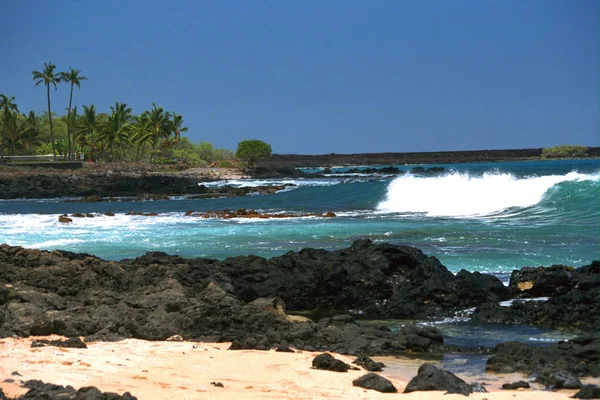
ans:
(185, 370)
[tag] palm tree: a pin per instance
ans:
(114, 128)
(176, 127)
(161, 126)
(141, 132)
(48, 78)
(32, 131)
(73, 77)
(7, 106)
(15, 128)
(89, 126)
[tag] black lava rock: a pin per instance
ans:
(41, 390)
(516, 385)
(563, 380)
(588, 392)
(326, 362)
(375, 382)
(431, 378)
(368, 364)
(74, 343)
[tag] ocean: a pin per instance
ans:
(487, 217)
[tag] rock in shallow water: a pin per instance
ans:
(578, 357)
(368, 364)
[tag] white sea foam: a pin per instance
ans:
(54, 243)
(279, 182)
(509, 303)
(462, 195)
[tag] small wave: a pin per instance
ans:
(54, 243)
(331, 180)
(270, 182)
(461, 195)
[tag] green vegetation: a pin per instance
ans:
(155, 135)
(48, 78)
(252, 150)
(565, 151)
(75, 80)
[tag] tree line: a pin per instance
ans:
(117, 135)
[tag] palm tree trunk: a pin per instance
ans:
(69, 152)
(50, 118)
(3, 139)
(123, 148)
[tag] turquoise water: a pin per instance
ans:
(491, 217)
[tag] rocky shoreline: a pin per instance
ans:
(119, 181)
(251, 301)
(440, 157)
(100, 184)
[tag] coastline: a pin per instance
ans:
(184, 370)
(128, 311)
(408, 158)
(158, 295)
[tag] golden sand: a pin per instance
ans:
(185, 370)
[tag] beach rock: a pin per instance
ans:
(588, 392)
(284, 349)
(494, 313)
(382, 280)
(245, 300)
(478, 387)
(431, 378)
(419, 339)
(562, 380)
(575, 301)
(516, 385)
(542, 282)
(74, 343)
(41, 390)
(476, 288)
(96, 185)
(579, 357)
(327, 362)
(368, 364)
(375, 382)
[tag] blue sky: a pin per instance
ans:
(314, 77)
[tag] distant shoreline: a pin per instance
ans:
(434, 157)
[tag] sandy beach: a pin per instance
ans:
(186, 370)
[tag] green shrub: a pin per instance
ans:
(252, 150)
(565, 151)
